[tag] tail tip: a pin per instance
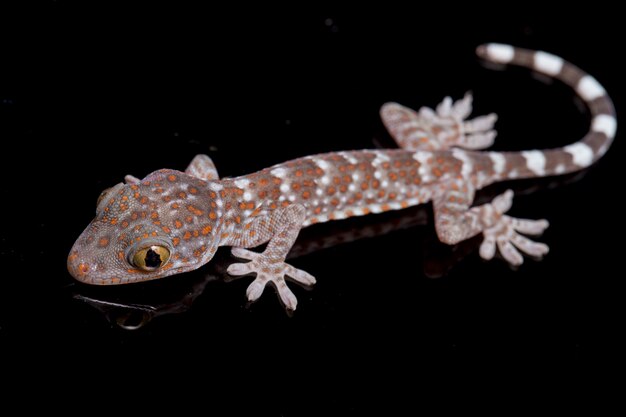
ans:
(496, 52)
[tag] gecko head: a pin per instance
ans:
(145, 231)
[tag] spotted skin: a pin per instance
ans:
(192, 213)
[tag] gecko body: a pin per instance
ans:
(172, 222)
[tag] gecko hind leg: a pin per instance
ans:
(439, 129)
(455, 221)
(202, 166)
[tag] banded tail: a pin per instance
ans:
(569, 158)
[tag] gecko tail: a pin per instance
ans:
(580, 154)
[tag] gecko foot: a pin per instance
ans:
(268, 270)
(505, 234)
(450, 122)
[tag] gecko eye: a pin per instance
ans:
(151, 258)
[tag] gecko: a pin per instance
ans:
(172, 222)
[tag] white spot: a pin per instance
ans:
(242, 183)
(589, 88)
(513, 174)
(340, 215)
(467, 165)
(322, 218)
(319, 192)
(322, 164)
(403, 190)
(500, 53)
(535, 161)
(284, 187)
(352, 188)
(355, 176)
(292, 198)
(343, 199)
(560, 168)
(325, 180)
(247, 196)
(384, 183)
(375, 208)
(377, 175)
(413, 201)
(351, 159)
(395, 205)
(281, 198)
(499, 162)
(380, 158)
(548, 63)
(279, 172)
(581, 154)
(219, 203)
(606, 124)
(214, 186)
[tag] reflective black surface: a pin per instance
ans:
(140, 90)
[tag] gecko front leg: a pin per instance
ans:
(456, 221)
(281, 228)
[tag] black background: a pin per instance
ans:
(91, 93)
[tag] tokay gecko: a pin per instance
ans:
(172, 222)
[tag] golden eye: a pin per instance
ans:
(151, 258)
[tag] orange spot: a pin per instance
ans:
(342, 168)
(417, 181)
(167, 266)
(295, 186)
(255, 212)
(120, 255)
(285, 203)
(343, 188)
(250, 205)
(313, 220)
(385, 207)
(212, 194)
(386, 165)
(134, 187)
(73, 256)
(193, 190)
(319, 171)
(123, 207)
(124, 198)
(167, 198)
(212, 215)
(134, 216)
(206, 230)
(154, 215)
(239, 191)
(330, 190)
(178, 224)
(381, 194)
(224, 235)
(114, 221)
(115, 280)
(182, 195)
(364, 186)
(392, 195)
(171, 178)
(103, 242)
(402, 173)
(393, 176)
(213, 204)
(83, 268)
(263, 182)
(437, 172)
(273, 206)
(306, 195)
(175, 206)
(166, 229)
(337, 180)
(298, 173)
(317, 210)
(137, 195)
(187, 235)
(349, 213)
(223, 193)
(196, 233)
(404, 204)
(334, 202)
(365, 210)
(238, 219)
(277, 181)
(375, 184)
(189, 219)
(175, 241)
(262, 194)
(331, 216)
(358, 196)
(143, 200)
(252, 233)
(145, 235)
(242, 205)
